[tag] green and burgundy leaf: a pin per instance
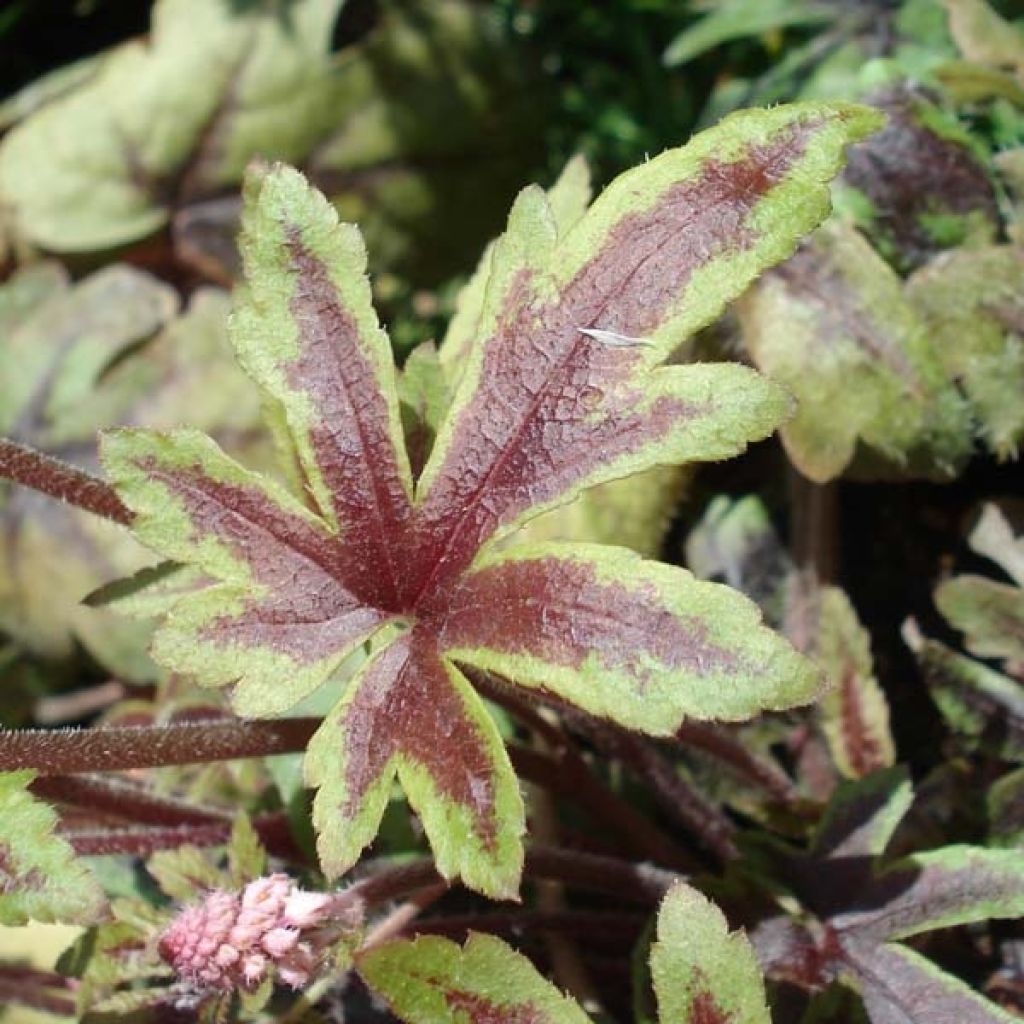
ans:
(562, 391)
(638, 642)
(410, 712)
(938, 889)
(40, 877)
(982, 706)
(862, 815)
(431, 980)
(854, 713)
(702, 972)
(304, 327)
(283, 616)
(899, 986)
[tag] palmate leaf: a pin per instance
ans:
(561, 389)
(40, 877)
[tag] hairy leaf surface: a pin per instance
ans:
(702, 972)
(561, 389)
(434, 981)
(40, 877)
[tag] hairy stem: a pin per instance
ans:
(141, 842)
(124, 748)
(24, 465)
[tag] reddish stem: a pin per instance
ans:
(24, 465)
(124, 748)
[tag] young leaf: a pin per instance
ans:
(556, 396)
(862, 816)
(990, 614)
(702, 972)
(1006, 811)
(434, 981)
(39, 875)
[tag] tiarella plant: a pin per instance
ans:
(561, 388)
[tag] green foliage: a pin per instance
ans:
(41, 878)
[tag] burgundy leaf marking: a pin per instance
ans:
(351, 439)
(406, 705)
(554, 403)
(483, 1011)
(705, 1010)
(14, 880)
(859, 739)
(558, 610)
(309, 609)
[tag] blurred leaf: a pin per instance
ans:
(1006, 810)
(972, 302)
(920, 184)
(854, 712)
(834, 325)
(981, 705)
(40, 877)
(168, 119)
(739, 19)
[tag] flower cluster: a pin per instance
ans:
(233, 940)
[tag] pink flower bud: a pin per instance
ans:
(306, 909)
(232, 940)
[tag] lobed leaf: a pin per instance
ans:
(431, 980)
(281, 619)
(641, 643)
(561, 390)
(40, 877)
(409, 711)
(306, 331)
(702, 972)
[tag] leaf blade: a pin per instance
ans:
(431, 980)
(639, 642)
(397, 707)
(702, 972)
